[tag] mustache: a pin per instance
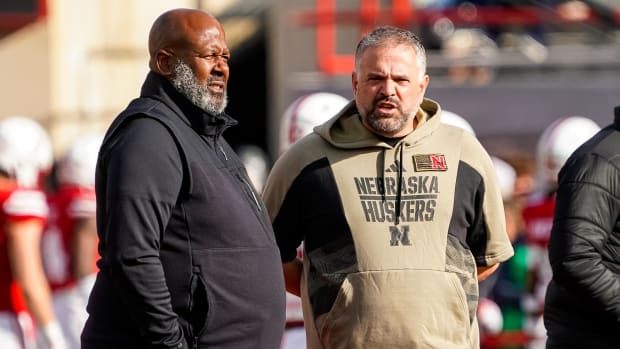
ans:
(392, 100)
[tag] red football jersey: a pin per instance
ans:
(538, 216)
(68, 205)
(16, 205)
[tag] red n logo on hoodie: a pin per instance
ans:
(438, 162)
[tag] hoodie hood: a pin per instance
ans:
(346, 131)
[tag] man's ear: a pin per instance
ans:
(164, 63)
(354, 82)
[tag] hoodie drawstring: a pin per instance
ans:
(399, 182)
(398, 161)
(381, 173)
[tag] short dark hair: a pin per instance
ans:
(394, 36)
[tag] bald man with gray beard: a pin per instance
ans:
(188, 255)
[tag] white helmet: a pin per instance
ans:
(490, 318)
(256, 163)
(25, 150)
(506, 177)
(77, 166)
(451, 118)
(557, 142)
(305, 113)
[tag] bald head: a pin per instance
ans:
(180, 29)
(188, 47)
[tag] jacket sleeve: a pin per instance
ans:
(143, 181)
(586, 212)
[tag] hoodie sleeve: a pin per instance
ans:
(487, 236)
(277, 190)
(143, 181)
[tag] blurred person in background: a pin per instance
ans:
(299, 119)
(508, 285)
(582, 304)
(454, 119)
(524, 164)
(256, 162)
(505, 178)
(25, 157)
(555, 145)
(70, 240)
(188, 255)
(490, 314)
(305, 113)
(397, 212)
(471, 52)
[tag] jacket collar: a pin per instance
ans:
(157, 87)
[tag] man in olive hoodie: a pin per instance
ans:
(400, 214)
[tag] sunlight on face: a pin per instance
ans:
(389, 88)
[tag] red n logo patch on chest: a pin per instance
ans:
(438, 162)
(430, 162)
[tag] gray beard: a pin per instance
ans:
(386, 125)
(186, 83)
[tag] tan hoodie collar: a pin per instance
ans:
(345, 130)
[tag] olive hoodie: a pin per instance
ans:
(392, 233)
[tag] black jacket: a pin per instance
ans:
(187, 250)
(582, 306)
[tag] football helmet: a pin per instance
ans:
(77, 165)
(305, 113)
(25, 150)
(490, 319)
(557, 142)
(451, 118)
(506, 177)
(256, 164)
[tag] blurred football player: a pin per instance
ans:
(305, 113)
(256, 163)
(70, 239)
(25, 156)
(454, 119)
(555, 145)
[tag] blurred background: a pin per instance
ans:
(531, 78)
(509, 67)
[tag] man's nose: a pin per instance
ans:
(220, 68)
(388, 88)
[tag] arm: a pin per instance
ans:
(282, 198)
(142, 183)
(24, 238)
(487, 236)
(27, 268)
(292, 276)
(83, 247)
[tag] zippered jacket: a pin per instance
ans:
(392, 234)
(582, 304)
(188, 255)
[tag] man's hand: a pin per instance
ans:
(292, 276)
(485, 272)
